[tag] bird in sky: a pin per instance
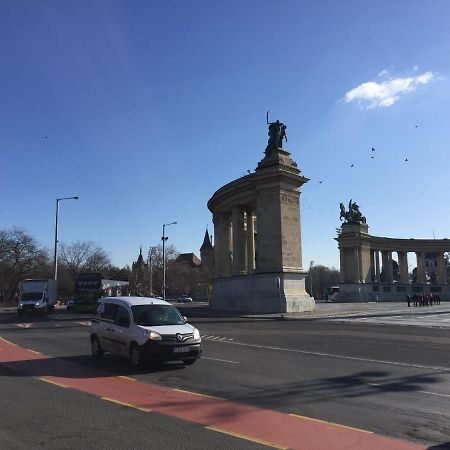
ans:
(372, 157)
(45, 137)
(248, 171)
(406, 159)
(373, 149)
(320, 182)
(416, 126)
(351, 165)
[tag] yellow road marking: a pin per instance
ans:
(248, 438)
(34, 351)
(196, 393)
(331, 423)
(127, 378)
(52, 382)
(126, 404)
(8, 342)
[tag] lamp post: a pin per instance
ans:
(150, 266)
(164, 239)
(55, 258)
(311, 265)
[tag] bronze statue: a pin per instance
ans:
(277, 131)
(353, 215)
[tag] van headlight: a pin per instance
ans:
(196, 334)
(152, 335)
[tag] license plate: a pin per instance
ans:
(182, 349)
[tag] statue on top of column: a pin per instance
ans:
(277, 131)
(353, 215)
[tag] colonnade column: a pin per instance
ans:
(222, 243)
(377, 266)
(421, 271)
(387, 266)
(372, 266)
(403, 267)
(250, 240)
(239, 250)
(442, 272)
(356, 265)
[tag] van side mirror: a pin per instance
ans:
(185, 318)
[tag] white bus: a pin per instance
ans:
(331, 293)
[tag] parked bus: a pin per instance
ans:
(331, 293)
(92, 286)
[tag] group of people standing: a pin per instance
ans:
(424, 299)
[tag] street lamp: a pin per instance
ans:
(311, 265)
(151, 250)
(55, 259)
(164, 239)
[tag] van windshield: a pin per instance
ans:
(31, 296)
(156, 315)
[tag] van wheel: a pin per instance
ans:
(135, 356)
(97, 351)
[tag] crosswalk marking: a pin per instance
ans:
(216, 338)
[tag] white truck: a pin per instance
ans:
(36, 296)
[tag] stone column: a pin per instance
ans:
(239, 250)
(372, 266)
(342, 268)
(442, 273)
(421, 270)
(377, 266)
(403, 267)
(250, 240)
(222, 243)
(387, 266)
(356, 265)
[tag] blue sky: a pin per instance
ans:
(149, 107)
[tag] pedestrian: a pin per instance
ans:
(415, 300)
(408, 299)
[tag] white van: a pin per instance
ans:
(143, 328)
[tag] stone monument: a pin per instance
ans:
(258, 262)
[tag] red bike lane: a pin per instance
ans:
(272, 428)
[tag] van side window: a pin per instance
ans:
(110, 311)
(122, 317)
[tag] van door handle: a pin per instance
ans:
(109, 329)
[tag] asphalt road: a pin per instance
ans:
(387, 379)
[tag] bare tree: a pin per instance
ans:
(20, 258)
(322, 277)
(78, 257)
(83, 256)
(155, 253)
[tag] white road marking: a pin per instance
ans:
(221, 360)
(330, 355)
(24, 325)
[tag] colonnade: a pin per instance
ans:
(403, 272)
(235, 243)
(368, 259)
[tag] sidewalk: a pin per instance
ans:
(322, 310)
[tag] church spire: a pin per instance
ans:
(206, 242)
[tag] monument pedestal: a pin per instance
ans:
(262, 293)
(258, 259)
